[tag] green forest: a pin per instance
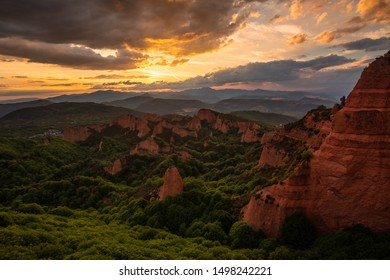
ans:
(57, 202)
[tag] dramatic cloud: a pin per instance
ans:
(181, 28)
(374, 10)
(368, 44)
(297, 39)
(261, 72)
(62, 54)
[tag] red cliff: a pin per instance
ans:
(173, 183)
(148, 146)
(75, 134)
(347, 181)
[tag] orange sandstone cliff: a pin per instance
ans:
(347, 181)
(173, 183)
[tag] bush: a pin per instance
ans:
(32, 208)
(5, 220)
(61, 211)
(241, 235)
(298, 232)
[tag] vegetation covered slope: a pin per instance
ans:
(57, 202)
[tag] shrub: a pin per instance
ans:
(5, 220)
(298, 232)
(32, 208)
(61, 211)
(241, 235)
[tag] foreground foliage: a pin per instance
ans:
(56, 202)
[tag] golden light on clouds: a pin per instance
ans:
(160, 42)
(376, 10)
(321, 17)
(297, 39)
(296, 9)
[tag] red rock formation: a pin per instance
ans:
(182, 132)
(184, 155)
(271, 156)
(115, 168)
(347, 181)
(152, 118)
(221, 125)
(173, 183)
(142, 127)
(207, 115)
(126, 121)
(76, 134)
(148, 146)
(311, 130)
(195, 123)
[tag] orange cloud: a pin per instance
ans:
(297, 39)
(321, 17)
(296, 9)
(327, 36)
(374, 10)
(350, 7)
(278, 19)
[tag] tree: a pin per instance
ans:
(241, 235)
(298, 232)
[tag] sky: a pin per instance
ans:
(54, 47)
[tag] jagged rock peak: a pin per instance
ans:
(173, 183)
(372, 89)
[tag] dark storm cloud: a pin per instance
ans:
(368, 45)
(195, 26)
(66, 55)
(280, 71)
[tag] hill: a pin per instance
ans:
(172, 106)
(265, 118)
(29, 121)
(8, 108)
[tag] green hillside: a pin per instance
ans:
(266, 118)
(57, 202)
(30, 121)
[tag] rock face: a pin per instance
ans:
(347, 181)
(75, 134)
(149, 146)
(308, 132)
(173, 183)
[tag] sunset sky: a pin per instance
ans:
(53, 47)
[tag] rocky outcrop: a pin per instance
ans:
(142, 127)
(147, 146)
(207, 115)
(250, 133)
(310, 131)
(271, 155)
(151, 125)
(182, 132)
(195, 123)
(184, 155)
(76, 134)
(126, 121)
(115, 168)
(347, 181)
(173, 183)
